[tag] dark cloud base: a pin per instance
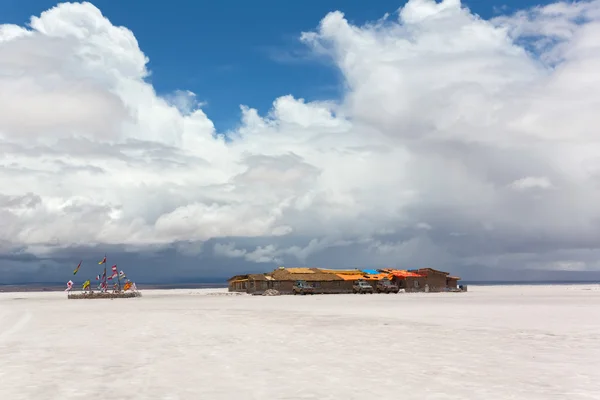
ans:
(169, 265)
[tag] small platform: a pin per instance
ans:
(100, 295)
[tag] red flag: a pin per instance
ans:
(114, 268)
(103, 261)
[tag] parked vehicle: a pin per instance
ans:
(386, 286)
(302, 287)
(362, 287)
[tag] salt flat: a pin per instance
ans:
(521, 342)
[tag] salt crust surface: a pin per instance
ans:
(504, 342)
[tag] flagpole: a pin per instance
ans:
(119, 279)
(105, 284)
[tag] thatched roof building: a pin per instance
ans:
(340, 281)
(304, 274)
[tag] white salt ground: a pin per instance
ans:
(491, 343)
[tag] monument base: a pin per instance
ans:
(100, 295)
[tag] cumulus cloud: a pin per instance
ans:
(531, 182)
(447, 123)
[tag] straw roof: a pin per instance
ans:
(237, 278)
(258, 277)
(426, 270)
(314, 275)
(342, 271)
(300, 270)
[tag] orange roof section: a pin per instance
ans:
(405, 274)
(378, 276)
(348, 277)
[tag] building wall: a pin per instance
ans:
(283, 287)
(344, 286)
(258, 286)
(416, 284)
(237, 286)
(411, 284)
(436, 281)
(452, 283)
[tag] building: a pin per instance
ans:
(452, 282)
(407, 280)
(374, 276)
(348, 277)
(332, 281)
(283, 280)
(323, 282)
(238, 283)
(250, 283)
(437, 281)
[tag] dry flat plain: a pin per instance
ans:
(519, 342)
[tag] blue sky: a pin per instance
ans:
(233, 52)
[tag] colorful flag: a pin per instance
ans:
(127, 286)
(114, 269)
(77, 269)
(103, 261)
(86, 284)
(114, 275)
(69, 286)
(97, 277)
(122, 275)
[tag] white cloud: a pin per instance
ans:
(444, 115)
(531, 182)
(266, 254)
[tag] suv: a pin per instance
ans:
(386, 286)
(301, 287)
(362, 287)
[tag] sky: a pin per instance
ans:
(194, 141)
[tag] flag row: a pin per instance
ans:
(79, 265)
